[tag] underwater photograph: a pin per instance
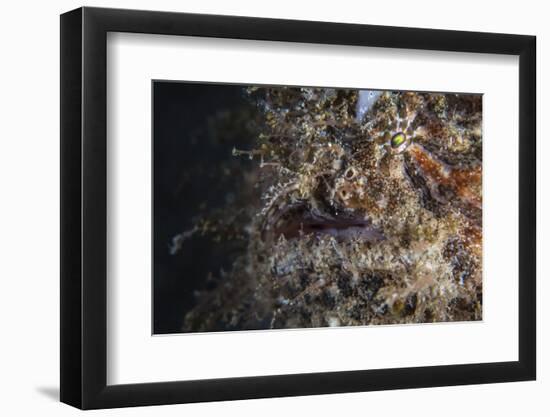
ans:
(280, 207)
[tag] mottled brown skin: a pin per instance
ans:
(355, 231)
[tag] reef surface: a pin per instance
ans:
(370, 212)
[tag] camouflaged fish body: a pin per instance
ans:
(371, 213)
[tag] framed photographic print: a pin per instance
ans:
(258, 208)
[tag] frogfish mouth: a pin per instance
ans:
(298, 221)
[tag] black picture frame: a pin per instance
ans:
(83, 207)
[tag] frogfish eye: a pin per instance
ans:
(397, 140)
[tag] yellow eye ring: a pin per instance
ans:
(397, 140)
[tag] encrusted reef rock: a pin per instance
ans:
(370, 213)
